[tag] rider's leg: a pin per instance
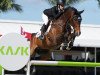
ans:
(44, 27)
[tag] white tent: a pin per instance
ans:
(90, 34)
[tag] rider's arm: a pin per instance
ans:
(58, 15)
(55, 13)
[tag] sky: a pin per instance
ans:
(32, 11)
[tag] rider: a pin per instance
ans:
(49, 15)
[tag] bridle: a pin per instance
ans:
(75, 17)
(71, 30)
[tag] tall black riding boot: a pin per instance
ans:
(43, 30)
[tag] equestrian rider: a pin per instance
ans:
(49, 15)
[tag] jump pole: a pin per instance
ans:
(61, 63)
(64, 63)
(1, 71)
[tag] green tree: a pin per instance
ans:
(66, 2)
(6, 5)
(98, 3)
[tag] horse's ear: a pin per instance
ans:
(80, 12)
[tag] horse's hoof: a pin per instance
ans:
(67, 48)
(63, 48)
(33, 73)
(25, 69)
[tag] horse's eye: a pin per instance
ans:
(79, 19)
(75, 18)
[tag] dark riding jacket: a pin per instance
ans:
(52, 13)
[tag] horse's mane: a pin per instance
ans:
(66, 9)
(74, 9)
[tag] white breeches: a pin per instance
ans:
(45, 19)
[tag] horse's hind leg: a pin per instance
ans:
(32, 50)
(32, 55)
(46, 56)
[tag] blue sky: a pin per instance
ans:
(32, 11)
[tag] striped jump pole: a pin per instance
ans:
(1, 71)
(64, 63)
(61, 63)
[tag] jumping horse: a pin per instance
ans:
(53, 39)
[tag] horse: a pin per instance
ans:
(53, 39)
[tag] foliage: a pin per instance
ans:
(66, 2)
(6, 5)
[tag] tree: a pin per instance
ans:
(6, 5)
(98, 3)
(66, 2)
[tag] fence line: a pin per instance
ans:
(1, 71)
(60, 63)
(64, 63)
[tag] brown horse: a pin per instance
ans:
(54, 37)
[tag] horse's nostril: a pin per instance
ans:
(77, 33)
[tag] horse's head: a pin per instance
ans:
(74, 19)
